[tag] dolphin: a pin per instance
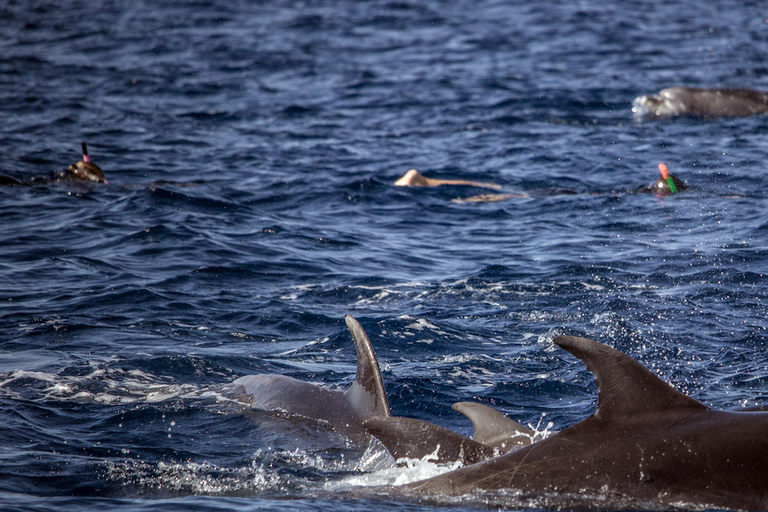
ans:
(345, 411)
(416, 439)
(708, 103)
(645, 443)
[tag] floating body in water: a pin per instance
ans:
(708, 103)
(81, 171)
(345, 411)
(646, 443)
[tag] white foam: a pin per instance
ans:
(191, 477)
(407, 470)
(541, 433)
(101, 385)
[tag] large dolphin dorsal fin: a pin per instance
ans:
(493, 428)
(625, 387)
(367, 392)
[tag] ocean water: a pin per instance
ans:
(251, 150)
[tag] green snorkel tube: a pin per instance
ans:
(667, 178)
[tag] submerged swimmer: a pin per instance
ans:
(667, 185)
(707, 103)
(81, 171)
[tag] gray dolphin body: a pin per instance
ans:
(416, 439)
(676, 101)
(645, 443)
(345, 411)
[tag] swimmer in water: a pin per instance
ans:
(668, 184)
(81, 171)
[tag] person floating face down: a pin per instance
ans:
(666, 185)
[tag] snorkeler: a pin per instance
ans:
(81, 171)
(668, 184)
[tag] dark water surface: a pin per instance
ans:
(251, 148)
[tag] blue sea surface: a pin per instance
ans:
(251, 150)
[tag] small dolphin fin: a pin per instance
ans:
(493, 428)
(416, 439)
(625, 387)
(367, 392)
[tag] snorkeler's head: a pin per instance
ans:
(668, 183)
(86, 170)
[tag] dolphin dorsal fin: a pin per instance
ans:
(625, 387)
(493, 428)
(367, 392)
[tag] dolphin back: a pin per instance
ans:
(416, 439)
(269, 392)
(343, 410)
